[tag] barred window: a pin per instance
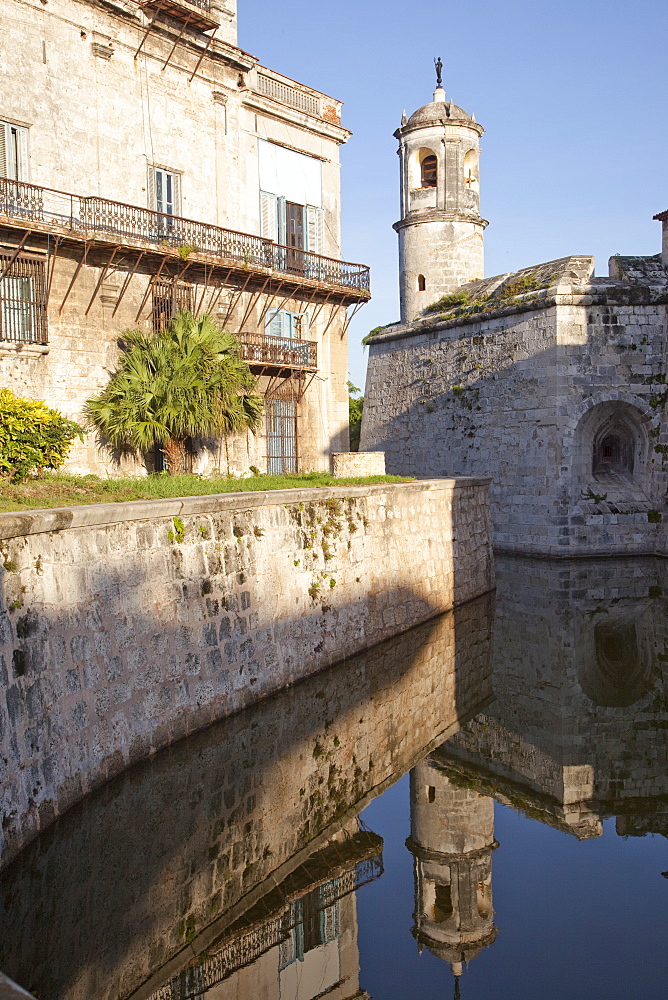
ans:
(170, 297)
(22, 299)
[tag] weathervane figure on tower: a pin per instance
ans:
(439, 69)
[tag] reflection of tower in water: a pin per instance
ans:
(452, 839)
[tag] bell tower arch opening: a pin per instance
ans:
(422, 169)
(472, 170)
(429, 171)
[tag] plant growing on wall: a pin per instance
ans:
(32, 436)
(183, 382)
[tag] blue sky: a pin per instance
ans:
(572, 95)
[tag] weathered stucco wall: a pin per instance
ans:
(83, 349)
(202, 830)
(127, 626)
(195, 106)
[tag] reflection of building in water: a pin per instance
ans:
(452, 839)
(298, 941)
(578, 728)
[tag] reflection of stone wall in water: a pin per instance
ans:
(153, 867)
(581, 685)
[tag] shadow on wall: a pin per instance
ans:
(118, 639)
(140, 877)
(578, 728)
(557, 447)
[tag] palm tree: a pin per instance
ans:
(184, 381)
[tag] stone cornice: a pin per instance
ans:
(292, 116)
(424, 854)
(424, 215)
(405, 130)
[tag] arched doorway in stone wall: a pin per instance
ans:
(612, 447)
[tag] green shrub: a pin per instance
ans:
(376, 330)
(32, 436)
(355, 407)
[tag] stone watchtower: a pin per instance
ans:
(440, 229)
(452, 840)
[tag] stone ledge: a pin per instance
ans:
(44, 520)
(618, 295)
(10, 347)
(358, 463)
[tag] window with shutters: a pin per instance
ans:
(14, 161)
(165, 193)
(312, 924)
(290, 224)
(281, 323)
(23, 299)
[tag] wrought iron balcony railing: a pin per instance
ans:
(279, 352)
(92, 216)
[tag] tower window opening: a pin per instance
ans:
(431, 793)
(428, 169)
(443, 907)
(471, 170)
(422, 284)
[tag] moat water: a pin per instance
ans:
(478, 808)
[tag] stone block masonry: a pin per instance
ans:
(124, 627)
(358, 463)
(559, 394)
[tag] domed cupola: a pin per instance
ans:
(440, 231)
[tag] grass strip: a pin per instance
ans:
(70, 491)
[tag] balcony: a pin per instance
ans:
(194, 12)
(294, 97)
(263, 350)
(99, 220)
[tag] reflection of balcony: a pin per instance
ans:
(330, 875)
(116, 224)
(269, 351)
(195, 12)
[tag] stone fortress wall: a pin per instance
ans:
(127, 626)
(528, 378)
(204, 829)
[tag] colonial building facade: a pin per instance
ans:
(148, 164)
(550, 380)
